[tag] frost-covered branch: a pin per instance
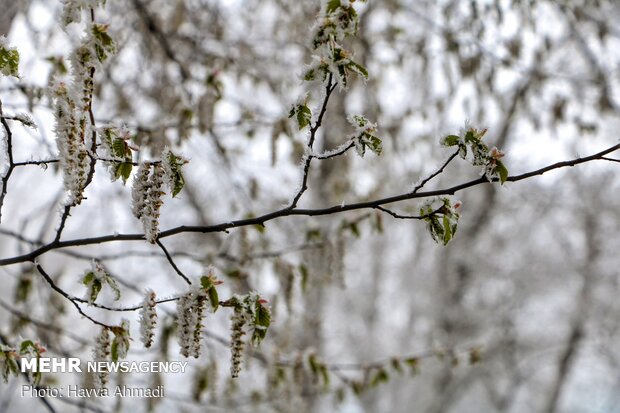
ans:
(329, 88)
(286, 212)
(62, 292)
(9, 155)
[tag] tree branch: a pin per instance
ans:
(329, 88)
(290, 211)
(9, 151)
(67, 296)
(171, 261)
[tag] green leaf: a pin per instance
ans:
(396, 365)
(120, 343)
(104, 44)
(262, 320)
(381, 376)
(357, 387)
(360, 148)
(359, 69)
(36, 378)
(502, 172)
(313, 235)
(96, 288)
(114, 350)
(23, 348)
(414, 364)
(324, 374)
(351, 226)
(475, 355)
(123, 170)
(213, 298)
(208, 285)
(302, 114)
(206, 282)
(114, 286)
(23, 288)
(120, 148)
(470, 137)
(263, 316)
(9, 61)
(451, 140)
(447, 230)
(177, 181)
(304, 276)
(332, 5)
(88, 278)
(373, 143)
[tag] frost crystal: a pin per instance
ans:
(148, 318)
(26, 120)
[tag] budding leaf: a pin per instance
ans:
(332, 5)
(173, 167)
(104, 45)
(123, 170)
(451, 140)
(501, 171)
(9, 60)
(214, 298)
(208, 285)
(95, 289)
(302, 114)
(373, 143)
(359, 69)
(381, 376)
(114, 286)
(262, 320)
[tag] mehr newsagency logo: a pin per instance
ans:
(75, 365)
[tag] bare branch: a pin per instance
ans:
(171, 261)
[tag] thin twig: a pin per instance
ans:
(610, 159)
(9, 152)
(434, 174)
(329, 88)
(171, 261)
(64, 294)
(399, 216)
(334, 154)
(39, 162)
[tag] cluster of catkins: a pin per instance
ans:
(148, 190)
(147, 193)
(190, 314)
(75, 135)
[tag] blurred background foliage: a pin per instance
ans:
(518, 313)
